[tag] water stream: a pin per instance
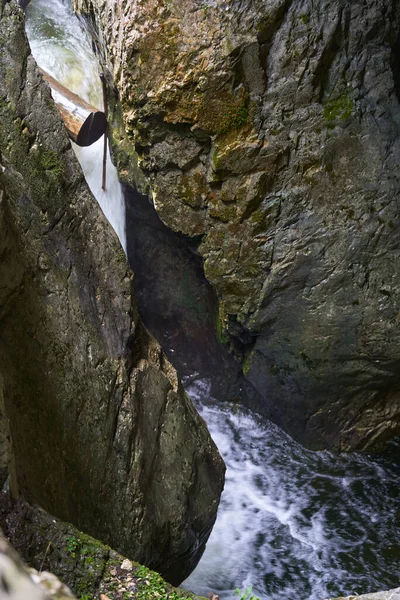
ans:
(294, 524)
(62, 48)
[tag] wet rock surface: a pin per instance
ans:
(389, 595)
(102, 433)
(88, 567)
(177, 303)
(270, 128)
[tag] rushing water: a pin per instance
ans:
(294, 524)
(63, 49)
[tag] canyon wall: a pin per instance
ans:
(102, 433)
(269, 130)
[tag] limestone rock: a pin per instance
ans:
(19, 583)
(271, 128)
(102, 433)
(390, 595)
(54, 549)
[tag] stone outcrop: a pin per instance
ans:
(102, 433)
(54, 549)
(270, 128)
(19, 583)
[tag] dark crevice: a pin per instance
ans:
(268, 28)
(176, 302)
(322, 71)
(395, 64)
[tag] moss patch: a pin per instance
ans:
(222, 112)
(339, 109)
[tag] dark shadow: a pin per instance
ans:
(176, 302)
(395, 64)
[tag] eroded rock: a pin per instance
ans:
(271, 128)
(102, 433)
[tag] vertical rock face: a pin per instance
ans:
(102, 433)
(271, 128)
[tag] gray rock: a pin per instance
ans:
(287, 114)
(102, 433)
(390, 595)
(19, 583)
(54, 549)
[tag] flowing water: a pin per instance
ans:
(62, 48)
(294, 524)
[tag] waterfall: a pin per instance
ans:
(63, 49)
(294, 524)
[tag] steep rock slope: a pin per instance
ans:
(102, 433)
(271, 129)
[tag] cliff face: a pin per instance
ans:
(271, 129)
(102, 433)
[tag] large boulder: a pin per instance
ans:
(102, 433)
(271, 129)
(54, 549)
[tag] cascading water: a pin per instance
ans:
(294, 524)
(63, 49)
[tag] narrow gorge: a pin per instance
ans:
(250, 291)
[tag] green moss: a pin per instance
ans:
(304, 18)
(223, 112)
(236, 116)
(246, 365)
(222, 335)
(339, 109)
(151, 585)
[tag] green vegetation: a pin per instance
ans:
(72, 545)
(223, 112)
(222, 335)
(340, 108)
(246, 595)
(236, 116)
(304, 18)
(151, 585)
(246, 365)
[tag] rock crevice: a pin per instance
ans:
(271, 129)
(102, 433)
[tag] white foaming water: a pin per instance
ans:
(62, 48)
(295, 524)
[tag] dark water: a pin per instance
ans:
(296, 524)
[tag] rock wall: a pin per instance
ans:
(270, 128)
(89, 568)
(102, 433)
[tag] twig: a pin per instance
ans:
(103, 81)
